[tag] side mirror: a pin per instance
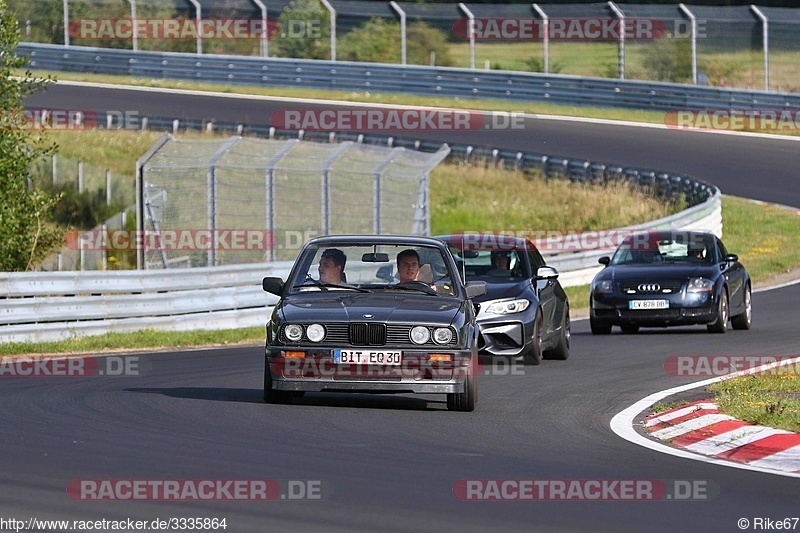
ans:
(605, 260)
(731, 258)
(546, 272)
(476, 288)
(272, 285)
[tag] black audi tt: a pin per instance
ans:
(670, 278)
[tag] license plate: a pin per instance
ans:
(367, 357)
(648, 304)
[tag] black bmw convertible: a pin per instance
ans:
(670, 278)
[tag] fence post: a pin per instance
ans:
(546, 37)
(402, 14)
(621, 16)
(55, 169)
(471, 33)
(80, 176)
(332, 12)
(693, 20)
(765, 25)
(108, 187)
(66, 22)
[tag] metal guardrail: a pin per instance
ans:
(434, 81)
(96, 302)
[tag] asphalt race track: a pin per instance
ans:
(391, 463)
(747, 166)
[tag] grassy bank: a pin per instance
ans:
(771, 399)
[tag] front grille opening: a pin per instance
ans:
(367, 334)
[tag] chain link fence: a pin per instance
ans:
(245, 200)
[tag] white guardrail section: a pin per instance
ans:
(49, 306)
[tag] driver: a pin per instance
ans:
(501, 262)
(331, 266)
(408, 265)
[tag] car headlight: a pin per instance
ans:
(699, 285)
(420, 334)
(293, 332)
(442, 335)
(315, 332)
(605, 285)
(507, 307)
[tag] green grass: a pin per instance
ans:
(138, 340)
(771, 399)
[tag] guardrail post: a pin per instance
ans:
(693, 20)
(545, 37)
(80, 176)
(108, 187)
(765, 25)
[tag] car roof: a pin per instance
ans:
(487, 241)
(362, 240)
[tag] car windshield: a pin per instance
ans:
(491, 266)
(661, 249)
(370, 268)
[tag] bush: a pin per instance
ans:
(379, 41)
(669, 59)
(304, 31)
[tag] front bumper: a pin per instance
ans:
(684, 309)
(316, 372)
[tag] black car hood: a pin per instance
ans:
(496, 291)
(384, 307)
(660, 272)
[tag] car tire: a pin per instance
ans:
(561, 349)
(465, 401)
(599, 329)
(629, 328)
(720, 325)
(534, 356)
(744, 320)
(271, 395)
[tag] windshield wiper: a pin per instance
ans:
(324, 286)
(418, 286)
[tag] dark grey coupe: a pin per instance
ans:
(670, 278)
(525, 311)
(373, 314)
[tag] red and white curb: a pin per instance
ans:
(700, 427)
(700, 432)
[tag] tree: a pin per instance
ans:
(304, 31)
(27, 232)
